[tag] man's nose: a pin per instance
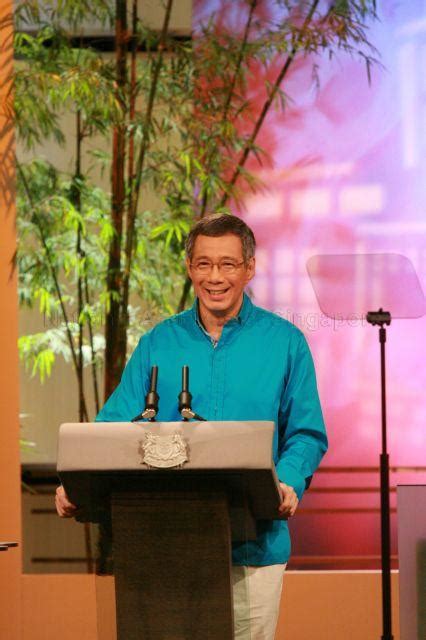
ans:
(215, 274)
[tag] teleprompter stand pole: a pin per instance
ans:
(382, 318)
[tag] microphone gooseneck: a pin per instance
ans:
(185, 398)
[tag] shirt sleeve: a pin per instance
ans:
(302, 439)
(127, 401)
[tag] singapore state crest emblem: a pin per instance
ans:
(163, 452)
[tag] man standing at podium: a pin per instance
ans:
(246, 363)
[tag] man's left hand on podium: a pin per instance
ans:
(64, 507)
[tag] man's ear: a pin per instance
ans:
(187, 264)
(251, 268)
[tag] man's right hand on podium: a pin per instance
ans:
(64, 507)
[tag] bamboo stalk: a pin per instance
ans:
(82, 410)
(135, 183)
(115, 332)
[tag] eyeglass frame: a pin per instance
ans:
(212, 264)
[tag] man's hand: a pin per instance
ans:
(64, 507)
(289, 501)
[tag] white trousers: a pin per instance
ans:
(257, 595)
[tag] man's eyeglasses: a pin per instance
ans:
(224, 266)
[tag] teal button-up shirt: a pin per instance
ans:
(260, 369)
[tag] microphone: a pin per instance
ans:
(151, 400)
(185, 398)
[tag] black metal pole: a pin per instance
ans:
(381, 318)
(384, 502)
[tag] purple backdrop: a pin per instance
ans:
(347, 175)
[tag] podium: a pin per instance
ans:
(177, 493)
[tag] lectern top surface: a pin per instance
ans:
(122, 445)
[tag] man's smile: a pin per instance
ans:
(217, 292)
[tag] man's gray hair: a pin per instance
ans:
(219, 224)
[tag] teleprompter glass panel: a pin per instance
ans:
(348, 286)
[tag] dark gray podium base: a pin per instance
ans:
(172, 562)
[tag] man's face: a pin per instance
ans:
(219, 292)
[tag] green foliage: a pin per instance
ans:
(189, 123)
(51, 210)
(37, 348)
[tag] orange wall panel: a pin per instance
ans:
(10, 512)
(59, 607)
(345, 605)
(323, 605)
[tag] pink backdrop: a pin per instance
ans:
(347, 176)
